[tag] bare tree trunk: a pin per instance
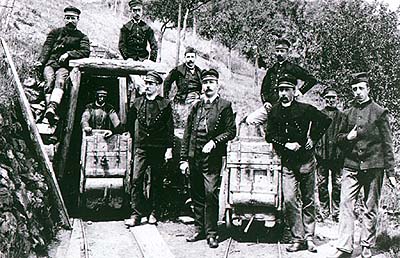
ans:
(256, 68)
(194, 26)
(178, 42)
(230, 62)
(160, 40)
(185, 23)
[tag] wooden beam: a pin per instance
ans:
(123, 99)
(75, 76)
(150, 242)
(38, 145)
(117, 67)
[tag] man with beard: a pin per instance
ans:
(329, 159)
(61, 45)
(151, 126)
(100, 115)
(135, 35)
(211, 124)
(365, 138)
(187, 77)
(269, 90)
(293, 128)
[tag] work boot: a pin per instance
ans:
(311, 246)
(196, 237)
(339, 254)
(51, 113)
(134, 220)
(295, 247)
(212, 242)
(152, 219)
(366, 252)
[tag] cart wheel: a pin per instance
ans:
(228, 219)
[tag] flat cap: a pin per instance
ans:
(287, 81)
(282, 43)
(153, 76)
(209, 74)
(329, 92)
(359, 77)
(190, 50)
(101, 90)
(135, 2)
(72, 10)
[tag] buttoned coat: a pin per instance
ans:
(60, 41)
(269, 90)
(372, 148)
(178, 75)
(133, 40)
(159, 132)
(295, 123)
(220, 123)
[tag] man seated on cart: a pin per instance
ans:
(100, 115)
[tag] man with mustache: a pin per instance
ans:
(365, 138)
(187, 77)
(61, 45)
(293, 128)
(135, 35)
(151, 127)
(211, 124)
(269, 87)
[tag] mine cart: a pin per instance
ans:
(105, 170)
(251, 188)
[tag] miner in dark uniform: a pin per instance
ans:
(293, 128)
(151, 126)
(269, 87)
(210, 125)
(187, 77)
(366, 141)
(100, 114)
(135, 35)
(329, 159)
(61, 45)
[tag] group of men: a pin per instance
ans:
(354, 145)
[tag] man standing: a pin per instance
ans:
(151, 126)
(329, 159)
(366, 141)
(293, 128)
(211, 124)
(61, 45)
(135, 35)
(269, 87)
(99, 114)
(187, 77)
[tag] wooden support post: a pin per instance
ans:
(123, 99)
(38, 145)
(178, 43)
(75, 76)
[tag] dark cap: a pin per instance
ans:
(153, 76)
(190, 50)
(135, 3)
(359, 77)
(282, 43)
(287, 81)
(101, 90)
(72, 10)
(329, 92)
(210, 74)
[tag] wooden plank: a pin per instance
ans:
(123, 99)
(151, 244)
(38, 145)
(75, 76)
(76, 241)
(116, 66)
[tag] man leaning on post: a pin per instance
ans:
(365, 139)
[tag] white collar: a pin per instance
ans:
(205, 98)
(153, 97)
(287, 104)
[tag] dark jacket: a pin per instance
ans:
(269, 90)
(292, 124)
(178, 75)
(133, 40)
(372, 148)
(326, 148)
(159, 132)
(60, 41)
(220, 123)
